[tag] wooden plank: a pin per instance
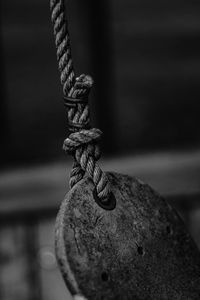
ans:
(37, 188)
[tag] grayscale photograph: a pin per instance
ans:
(100, 150)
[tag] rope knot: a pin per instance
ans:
(82, 142)
(84, 81)
(81, 139)
(82, 86)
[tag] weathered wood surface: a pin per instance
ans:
(139, 250)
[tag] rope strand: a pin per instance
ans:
(82, 143)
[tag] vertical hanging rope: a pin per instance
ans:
(82, 143)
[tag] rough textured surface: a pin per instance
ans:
(139, 250)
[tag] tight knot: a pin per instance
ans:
(81, 138)
(84, 81)
(82, 86)
(82, 142)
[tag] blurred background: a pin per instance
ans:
(145, 60)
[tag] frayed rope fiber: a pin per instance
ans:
(82, 143)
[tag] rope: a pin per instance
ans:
(82, 143)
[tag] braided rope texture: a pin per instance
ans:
(82, 143)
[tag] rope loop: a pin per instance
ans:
(82, 143)
(81, 138)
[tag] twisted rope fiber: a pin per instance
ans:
(82, 143)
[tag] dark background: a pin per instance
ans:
(144, 57)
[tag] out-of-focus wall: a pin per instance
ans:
(143, 56)
(157, 68)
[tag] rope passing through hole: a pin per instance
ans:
(82, 143)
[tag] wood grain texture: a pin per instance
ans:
(139, 250)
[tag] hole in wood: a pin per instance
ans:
(169, 229)
(140, 250)
(109, 204)
(104, 276)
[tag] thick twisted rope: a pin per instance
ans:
(82, 143)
